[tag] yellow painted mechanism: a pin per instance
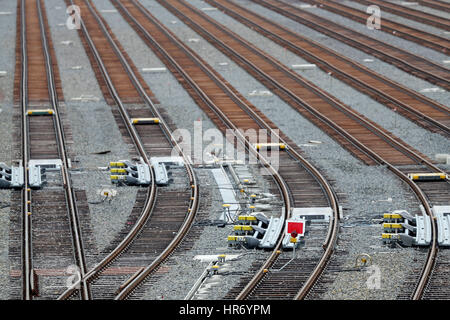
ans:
(427, 176)
(115, 177)
(41, 112)
(392, 216)
(145, 120)
(280, 146)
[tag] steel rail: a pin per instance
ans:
(72, 210)
(65, 161)
(330, 99)
(372, 49)
(193, 206)
(331, 235)
(151, 198)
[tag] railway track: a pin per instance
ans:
(410, 13)
(51, 232)
(436, 4)
(430, 282)
(419, 66)
(229, 110)
(421, 37)
(165, 214)
(300, 184)
(305, 97)
(394, 157)
(420, 109)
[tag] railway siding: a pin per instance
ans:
(309, 99)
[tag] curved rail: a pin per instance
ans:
(373, 155)
(146, 212)
(421, 37)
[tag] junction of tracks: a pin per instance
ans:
(224, 149)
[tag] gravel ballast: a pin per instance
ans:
(370, 190)
(377, 65)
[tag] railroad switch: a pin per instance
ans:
(128, 173)
(40, 112)
(402, 227)
(11, 177)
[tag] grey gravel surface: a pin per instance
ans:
(94, 130)
(7, 63)
(183, 111)
(173, 98)
(212, 241)
(423, 140)
(398, 42)
(368, 189)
